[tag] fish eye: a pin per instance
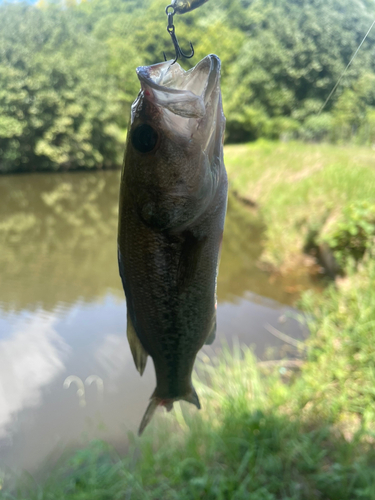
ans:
(144, 138)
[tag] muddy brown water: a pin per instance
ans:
(66, 372)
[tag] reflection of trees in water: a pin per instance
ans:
(242, 249)
(239, 269)
(58, 242)
(240, 252)
(58, 238)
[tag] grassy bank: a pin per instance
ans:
(301, 190)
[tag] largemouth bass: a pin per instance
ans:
(173, 199)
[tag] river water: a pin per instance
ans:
(66, 371)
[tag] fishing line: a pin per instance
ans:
(345, 70)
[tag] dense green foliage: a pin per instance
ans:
(352, 236)
(67, 72)
(58, 107)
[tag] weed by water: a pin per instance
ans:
(352, 234)
(299, 188)
(339, 379)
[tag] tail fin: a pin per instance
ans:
(192, 398)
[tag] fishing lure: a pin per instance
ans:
(183, 6)
(180, 7)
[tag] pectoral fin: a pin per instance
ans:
(137, 349)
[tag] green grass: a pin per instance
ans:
(338, 381)
(299, 188)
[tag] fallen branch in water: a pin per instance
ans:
(285, 338)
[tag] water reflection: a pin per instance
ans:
(58, 239)
(63, 313)
(112, 355)
(58, 243)
(31, 357)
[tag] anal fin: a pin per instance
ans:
(192, 398)
(137, 349)
(212, 335)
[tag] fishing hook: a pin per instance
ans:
(171, 31)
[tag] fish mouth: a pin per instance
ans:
(184, 93)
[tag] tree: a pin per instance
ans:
(58, 108)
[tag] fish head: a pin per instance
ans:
(174, 155)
